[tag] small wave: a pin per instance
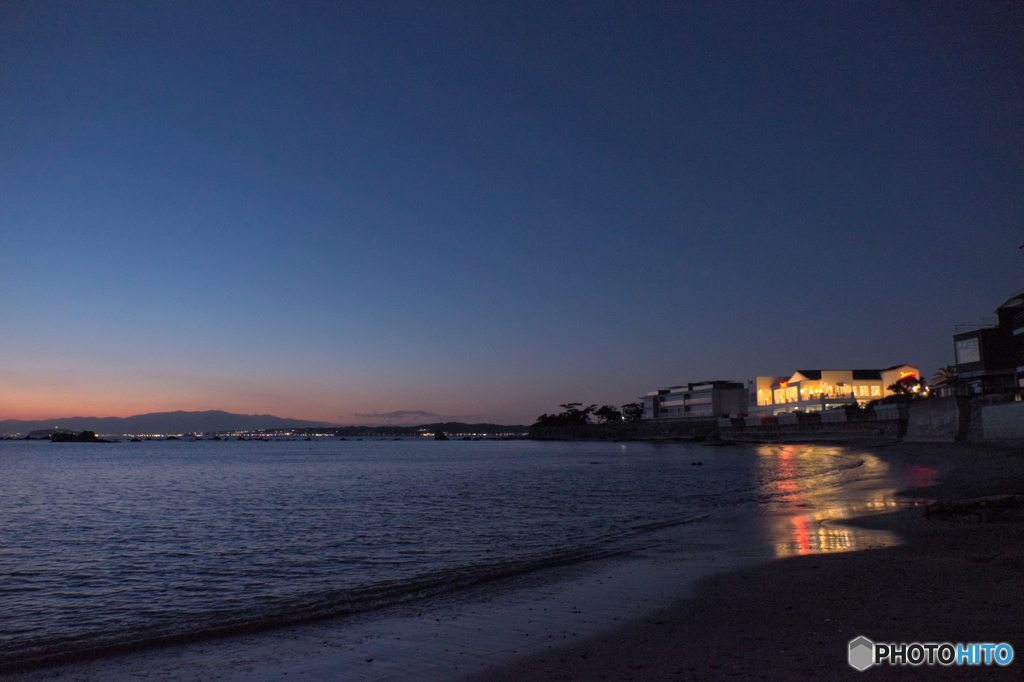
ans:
(317, 548)
(276, 612)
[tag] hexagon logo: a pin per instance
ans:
(862, 653)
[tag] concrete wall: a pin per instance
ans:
(696, 429)
(834, 416)
(658, 429)
(1003, 422)
(731, 401)
(939, 420)
(860, 431)
(890, 411)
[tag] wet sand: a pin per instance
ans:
(707, 606)
(956, 578)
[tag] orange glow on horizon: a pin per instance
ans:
(50, 400)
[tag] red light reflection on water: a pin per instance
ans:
(792, 496)
(921, 476)
(802, 535)
(801, 480)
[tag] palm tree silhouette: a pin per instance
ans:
(945, 375)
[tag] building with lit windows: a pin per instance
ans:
(702, 400)
(820, 389)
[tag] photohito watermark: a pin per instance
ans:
(863, 653)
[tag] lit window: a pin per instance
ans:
(876, 390)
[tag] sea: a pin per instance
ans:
(108, 547)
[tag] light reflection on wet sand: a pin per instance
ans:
(807, 507)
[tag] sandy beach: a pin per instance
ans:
(956, 578)
(698, 609)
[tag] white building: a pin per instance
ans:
(703, 400)
(819, 389)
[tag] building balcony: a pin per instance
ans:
(814, 405)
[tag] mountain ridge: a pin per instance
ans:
(179, 421)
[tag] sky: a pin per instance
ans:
(395, 212)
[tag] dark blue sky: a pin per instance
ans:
(480, 210)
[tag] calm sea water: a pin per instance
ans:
(104, 546)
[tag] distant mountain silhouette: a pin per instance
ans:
(161, 422)
(450, 428)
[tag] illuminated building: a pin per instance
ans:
(703, 400)
(820, 389)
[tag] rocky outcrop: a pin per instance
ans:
(83, 437)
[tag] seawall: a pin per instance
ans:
(679, 429)
(957, 419)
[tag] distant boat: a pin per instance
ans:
(439, 435)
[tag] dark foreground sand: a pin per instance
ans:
(957, 578)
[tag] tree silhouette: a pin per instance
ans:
(607, 413)
(909, 386)
(632, 412)
(946, 375)
(571, 414)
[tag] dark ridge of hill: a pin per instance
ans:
(450, 428)
(161, 423)
(461, 428)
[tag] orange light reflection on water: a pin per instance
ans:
(810, 496)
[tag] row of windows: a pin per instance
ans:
(702, 411)
(685, 398)
(793, 394)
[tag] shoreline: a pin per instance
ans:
(708, 598)
(445, 636)
(952, 580)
